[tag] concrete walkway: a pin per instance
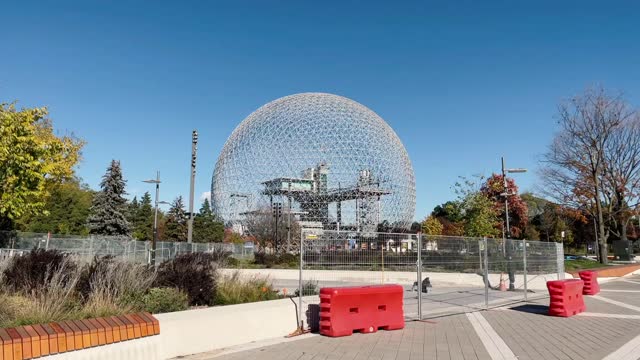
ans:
(610, 329)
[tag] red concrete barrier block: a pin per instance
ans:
(590, 278)
(366, 309)
(565, 297)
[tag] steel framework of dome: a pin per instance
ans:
(324, 160)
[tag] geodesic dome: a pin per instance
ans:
(324, 160)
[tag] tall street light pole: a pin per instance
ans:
(506, 194)
(194, 149)
(155, 217)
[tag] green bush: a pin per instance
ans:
(276, 261)
(163, 300)
(231, 262)
(234, 289)
(308, 288)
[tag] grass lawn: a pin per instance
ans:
(582, 264)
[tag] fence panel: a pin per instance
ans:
(453, 275)
(346, 258)
(457, 274)
(86, 247)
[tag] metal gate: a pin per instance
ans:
(441, 275)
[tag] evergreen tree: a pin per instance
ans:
(143, 221)
(205, 209)
(132, 211)
(206, 228)
(109, 209)
(176, 224)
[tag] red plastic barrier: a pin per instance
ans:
(565, 297)
(344, 310)
(590, 279)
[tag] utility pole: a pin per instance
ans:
(289, 219)
(506, 201)
(152, 257)
(507, 232)
(194, 149)
(277, 212)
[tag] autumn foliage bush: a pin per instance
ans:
(193, 273)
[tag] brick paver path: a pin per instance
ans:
(607, 330)
(451, 337)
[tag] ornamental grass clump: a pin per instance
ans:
(113, 287)
(194, 273)
(235, 289)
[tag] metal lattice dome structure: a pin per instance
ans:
(324, 160)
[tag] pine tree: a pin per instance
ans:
(176, 224)
(206, 228)
(143, 224)
(205, 209)
(109, 207)
(132, 211)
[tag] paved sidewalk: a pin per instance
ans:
(610, 329)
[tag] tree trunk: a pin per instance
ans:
(602, 239)
(623, 230)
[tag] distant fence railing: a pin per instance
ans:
(17, 244)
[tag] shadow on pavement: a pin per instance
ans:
(532, 309)
(313, 317)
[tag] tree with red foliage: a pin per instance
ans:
(493, 189)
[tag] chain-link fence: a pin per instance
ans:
(17, 244)
(441, 275)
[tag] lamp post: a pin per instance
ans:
(155, 217)
(506, 194)
(194, 149)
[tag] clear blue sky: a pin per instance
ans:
(462, 83)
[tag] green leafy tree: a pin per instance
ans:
(531, 233)
(109, 209)
(478, 211)
(432, 226)
(450, 210)
(480, 216)
(65, 211)
(206, 228)
(450, 216)
(31, 156)
(175, 227)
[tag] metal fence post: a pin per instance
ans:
(524, 262)
(419, 264)
(300, 280)
(486, 273)
(560, 260)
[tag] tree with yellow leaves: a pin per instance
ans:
(32, 157)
